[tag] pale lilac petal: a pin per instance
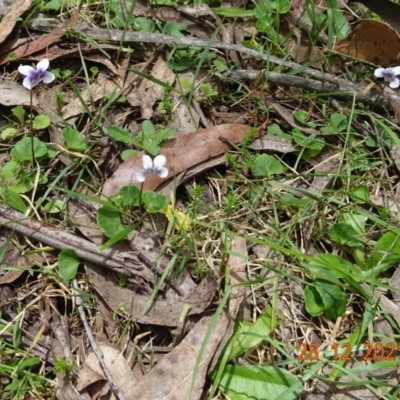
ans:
(394, 83)
(147, 162)
(141, 176)
(48, 77)
(162, 172)
(43, 65)
(26, 70)
(27, 82)
(379, 72)
(396, 70)
(159, 161)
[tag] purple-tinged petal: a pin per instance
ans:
(27, 83)
(43, 65)
(48, 77)
(35, 80)
(26, 70)
(394, 83)
(379, 72)
(162, 172)
(159, 161)
(141, 176)
(147, 162)
(396, 70)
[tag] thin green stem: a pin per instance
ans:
(140, 197)
(31, 127)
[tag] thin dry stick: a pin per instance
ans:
(95, 348)
(127, 263)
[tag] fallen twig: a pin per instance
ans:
(95, 348)
(126, 263)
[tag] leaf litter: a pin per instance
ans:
(162, 300)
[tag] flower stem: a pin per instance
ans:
(31, 127)
(140, 197)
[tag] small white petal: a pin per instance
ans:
(379, 72)
(147, 162)
(35, 81)
(159, 161)
(48, 77)
(43, 65)
(396, 70)
(27, 83)
(395, 83)
(141, 176)
(162, 172)
(26, 70)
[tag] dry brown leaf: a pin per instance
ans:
(118, 367)
(17, 8)
(149, 92)
(42, 41)
(12, 94)
(372, 41)
(386, 9)
(172, 377)
(273, 143)
(181, 152)
(164, 311)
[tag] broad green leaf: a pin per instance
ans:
(109, 221)
(9, 170)
(333, 298)
(266, 165)
(74, 139)
(345, 234)
(8, 133)
(22, 151)
(148, 129)
(130, 195)
(164, 134)
(312, 143)
(174, 28)
(19, 112)
(258, 382)
(313, 302)
(151, 147)
(357, 221)
(386, 251)
(68, 264)
(55, 206)
(154, 202)
(121, 134)
(360, 194)
(247, 335)
(12, 199)
(41, 122)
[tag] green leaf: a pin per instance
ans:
(247, 335)
(164, 134)
(154, 202)
(22, 151)
(148, 129)
(144, 24)
(360, 194)
(9, 170)
(19, 112)
(345, 234)
(12, 199)
(313, 302)
(333, 297)
(127, 153)
(55, 206)
(41, 122)
(109, 221)
(74, 139)
(121, 134)
(8, 133)
(130, 195)
(386, 252)
(312, 143)
(68, 264)
(174, 28)
(151, 147)
(267, 166)
(233, 12)
(259, 382)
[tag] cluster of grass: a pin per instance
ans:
(317, 260)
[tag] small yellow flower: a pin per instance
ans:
(182, 221)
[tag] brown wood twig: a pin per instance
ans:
(126, 263)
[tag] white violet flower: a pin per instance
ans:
(34, 76)
(389, 75)
(153, 167)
